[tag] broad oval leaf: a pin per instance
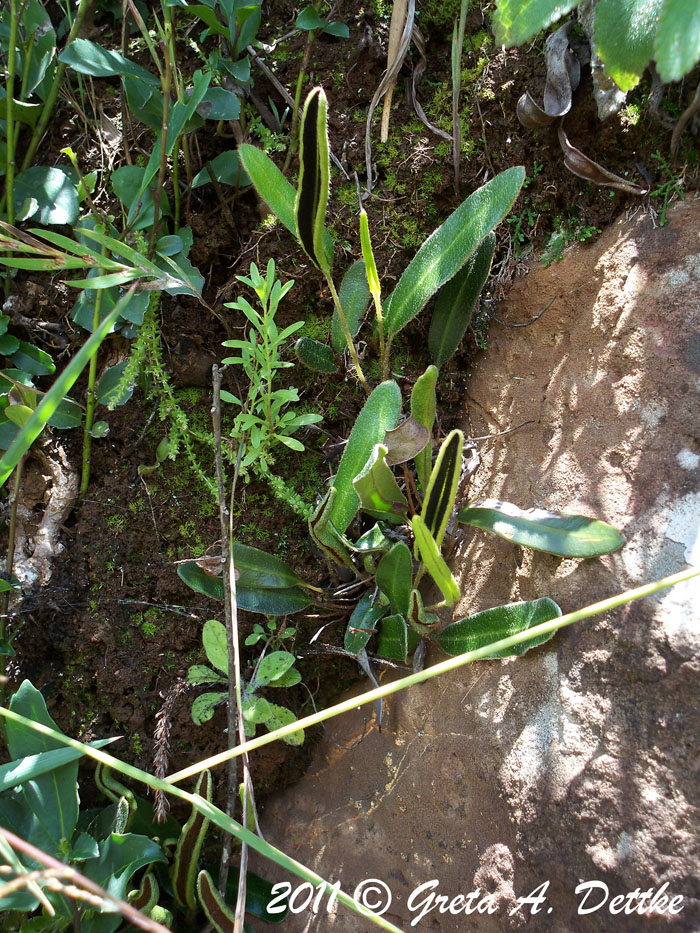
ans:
(315, 355)
(447, 249)
(272, 667)
(624, 37)
(201, 674)
(354, 298)
(281, 716)
(677, 44)
(204, 706)
(215, 644)
(394, 577)
(456, 302)
(52, 189)
(107, 387)
(379, 415)
(219, 104)
(491, 625)
(275, 601)
(555, 533)
(518, 20)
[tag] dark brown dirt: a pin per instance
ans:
(116, 630)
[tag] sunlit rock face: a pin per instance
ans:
(577, 764)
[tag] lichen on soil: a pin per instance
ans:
(116, 629)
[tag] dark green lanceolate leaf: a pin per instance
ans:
(518, 20)
(442, 487)
(456, 301)
(258, 568)
(434, 562)
(314, 179)
(447, 249)
(215, 644)
(394, 577)
(393, 638)
(490, 626)
(52, 192)
(354, 298)
(624, 37)
(379, 415)
(677, 45)
(88, 58)
(362, 623)
(258, 893)
(274, 601)
(189, 845)
(378, 490)
(553, 532)
(31, 766)
(315, 355)
(46, 809)
(227, 169)
(423, 407)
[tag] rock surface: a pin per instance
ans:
(578, 762)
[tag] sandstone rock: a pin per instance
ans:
(578, 762)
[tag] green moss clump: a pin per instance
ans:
(439, 14)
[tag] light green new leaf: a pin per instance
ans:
(333, 545)
(624, 37)
(394, 576)
(516, 21)
(434, 561)
(354, 298)
(553, 532)
(378, 490)
(677, 45)
(281, 716)
(456, 302)
(490, 626)
(272, 667)
(423, 407)
(447, 249)
(215, 644)
(379, 415)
